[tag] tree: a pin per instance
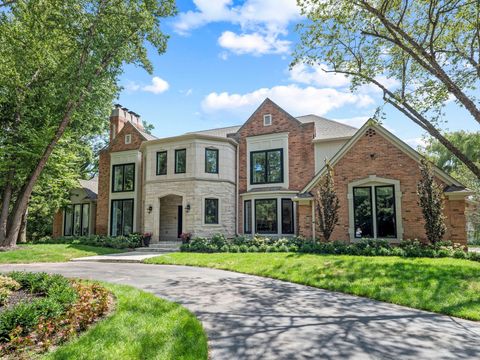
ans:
(418, 53)
(327, 203)
(59, 69)
(431, 201)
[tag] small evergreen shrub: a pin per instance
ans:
(133, 240)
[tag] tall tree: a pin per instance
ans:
(327, 204)
(59, 66)
(418, 53)
(430, 199)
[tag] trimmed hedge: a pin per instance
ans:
(119, 242)
(365, 247)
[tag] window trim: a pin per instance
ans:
(394, 211)
(72, 218)
(217, 157)
(129, 137)
(166, 162)
(371, 210)
(123, 178)
(245, 216)
(176, 152)
(282, 177)
(293, 216)
(269, 116)
(276, 216)
(123, 220)
(217, 215)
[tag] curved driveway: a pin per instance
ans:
(248, 317)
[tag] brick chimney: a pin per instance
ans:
(119, 117)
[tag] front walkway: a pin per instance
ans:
(248, 317)
(126, 257)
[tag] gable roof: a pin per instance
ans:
(326, 129)
(90, 187)
(394, 140)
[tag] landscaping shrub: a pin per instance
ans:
(57, 309)
(7, 285)
(364, 247)
(118, 242)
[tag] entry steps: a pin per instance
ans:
(161, 247)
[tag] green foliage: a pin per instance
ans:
(133, 240)
(7, 285)
(430, 199)
(327, 203)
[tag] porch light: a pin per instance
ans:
(149, 209)
(187, 208)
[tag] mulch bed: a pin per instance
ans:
(17, 297)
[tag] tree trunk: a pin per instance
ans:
(6, 197)
(22, 234)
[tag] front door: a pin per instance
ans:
(180, 220)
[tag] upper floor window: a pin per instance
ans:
(128, 139)
(123, 178)
(267, 120)
(162, 163)
(180, 161)
(211, 161)
(266, 167)
(211, 211)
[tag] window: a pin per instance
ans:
(287, 217)
(162, 163)
(211, 211)
(267, 120)
(211, 161)
(247, 216)
(266, 216)
(123, 178)
(374, 216)
(128, 139)
(180, 161)
(76, 220)
(121, 217)
(266, 167)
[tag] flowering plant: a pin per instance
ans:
(185, 236)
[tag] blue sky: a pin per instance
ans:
(224, 57)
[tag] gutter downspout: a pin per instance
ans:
(313, 219)
(236, 188)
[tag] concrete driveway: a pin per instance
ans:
(248, 317)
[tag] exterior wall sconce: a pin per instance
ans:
(187, 208)
(149, 209)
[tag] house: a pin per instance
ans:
(258, 178)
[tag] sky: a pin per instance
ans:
(224, 57)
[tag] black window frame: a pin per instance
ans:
(217, 211)
(217, 159)
(266, 152)
(177, 151)
(123, 219)
(293, 215)
(371, 210)
(123, 177)
(394, 212)
(166, 162)
(72, 218)
(276, 216)
(245, 218)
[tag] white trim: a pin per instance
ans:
(267, 119)
(371, 182)
(128, 139)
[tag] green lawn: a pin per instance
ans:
(447, 286)
(143, 326)
(51, 253)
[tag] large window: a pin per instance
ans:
(76, 220)
(247, 216)
(374, 212)
(123, 178)
(121, 217)
(211, 161)
(266, 216)
(180, 161)
(162, 163)
(266, 167)
(211, 211)
(287, 217)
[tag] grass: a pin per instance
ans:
(143, 326)
(31, 253)
(446, 286)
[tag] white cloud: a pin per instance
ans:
(254, 43)
(158, 86)
(296, 100)
(418, 142)
(131, 86)
(317, 75)
(356, 121)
